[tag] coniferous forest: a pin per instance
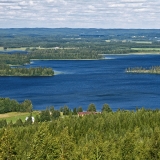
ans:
(109, 135)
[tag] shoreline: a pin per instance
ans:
(123, 54)
(64, 59)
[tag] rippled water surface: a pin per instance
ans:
(79, 83)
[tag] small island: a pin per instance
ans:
(6, 70)
(151, 70)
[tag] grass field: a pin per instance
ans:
(1, 49)
(18, 49)
(142, 42)
(146, 49)
(14, 116)
(11, 49)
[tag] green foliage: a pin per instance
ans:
(48, 115)
(106, 108)
(44, 145)
(65, 110)
(7, 71)
(8, 143)
(3, 123)
(14, 59)
(45, 115)
(19, 123)
(125, 135)
(64, 54)
(8, 105)
(74, 111)
(91, 108)
(79, 109)
(55, 114)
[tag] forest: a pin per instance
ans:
(99, 41)
(122, 134)
(11, 105)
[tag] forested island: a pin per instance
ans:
(6, 70)
(151, 70)
(109, 135)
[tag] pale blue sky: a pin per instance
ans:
(80, 13)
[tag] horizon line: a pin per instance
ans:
(77, 28)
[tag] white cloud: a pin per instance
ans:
(133, 1)
(83, 13)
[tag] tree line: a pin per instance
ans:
(74, 53)
(116, 135)
(11, 105)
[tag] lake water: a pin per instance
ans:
(13, 52)
(79, 83)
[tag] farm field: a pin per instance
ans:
(146, 49)
(142, 42)
(14, 116)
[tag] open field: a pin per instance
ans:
(11, 49)
(14, 116)
(146, 49)
(142, 42)
(18, 49)
(24, 48)
(1, 48)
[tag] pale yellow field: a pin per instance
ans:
(21, 49)
(14, 116)
(1, 49)
(147, 49)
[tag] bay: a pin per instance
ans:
(81, 82)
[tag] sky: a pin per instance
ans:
(80, 14)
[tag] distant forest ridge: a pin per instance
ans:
(80, 31)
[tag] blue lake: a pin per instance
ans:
(13, 51)
(79, 83)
